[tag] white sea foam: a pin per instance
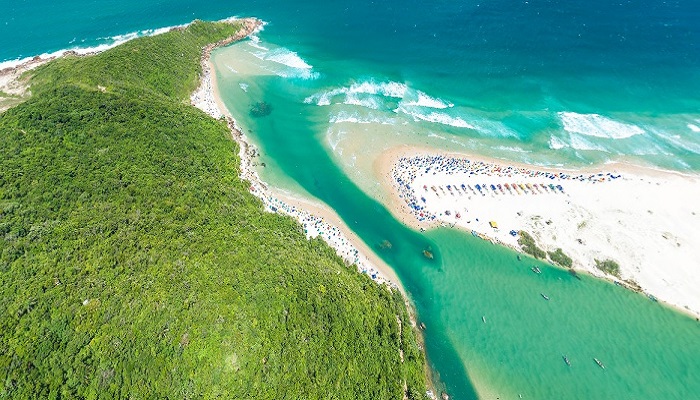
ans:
(230, 68)
(694, 128)
(386, 89)
(359, 94)
(513, 149)
(293, 66)
(243, 86)
(425, 100)
(436, 136)
(556, 143)
(578, 142)
(334, 138)
(108, 43)
(287, 57)
(678, 141)
(598, 126)
(364, 101)
(356, 118)
(493, 128)
(255, 42)
(435, 117)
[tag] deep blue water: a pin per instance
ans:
(625, 73)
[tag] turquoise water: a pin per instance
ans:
(543, 82)
(648, 350)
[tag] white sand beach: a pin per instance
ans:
(316, 218)
(648, 221)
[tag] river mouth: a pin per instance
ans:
(489, 329)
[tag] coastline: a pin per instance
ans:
(630, 214)
(317, 219)
(13, 88)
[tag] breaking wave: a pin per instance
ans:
(286, 63)
(346, 117)
(598, 126)
(424, 100)
(576, 142)
(435, 117)
(362, 93)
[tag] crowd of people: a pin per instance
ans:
(468, 174)
(313, 225)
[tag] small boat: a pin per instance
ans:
(422, 326)
(544, 296)
(519, 258)
(600, 364)
(428, 254)
(536, 270)
(483, 319)
(566, 360)
(652, 298)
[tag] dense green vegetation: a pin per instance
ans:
(135, 264)
(558, 256)
(609, 267)
(527, 243)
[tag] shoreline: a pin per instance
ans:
(317, 219)
(604, 212)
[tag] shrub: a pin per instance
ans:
(527, 243)
(608, 266)
(560, 258)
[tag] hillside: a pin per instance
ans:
(135, 264)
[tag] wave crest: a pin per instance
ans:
(436, 117)
(597, 126)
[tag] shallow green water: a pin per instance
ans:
(649, 351)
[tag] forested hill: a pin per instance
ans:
(135, 264)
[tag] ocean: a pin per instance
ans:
(543, 82)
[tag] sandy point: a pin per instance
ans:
(646, 220)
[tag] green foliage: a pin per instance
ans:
(167, 64)
(135, 264)
(559, 257)
(527, 243)
(609, 267)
